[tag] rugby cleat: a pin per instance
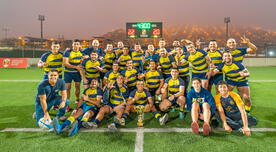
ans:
(74, 129)
(206, 129)
(89, 125)
(195, 127)
(164, 119)
(56, 126)
(121, 121)
(112, 127)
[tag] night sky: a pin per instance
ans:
(87, 18)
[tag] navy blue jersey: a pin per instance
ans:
(45, 88)
(200, 97)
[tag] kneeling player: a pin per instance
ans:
(47, 96)
(92, 97)
(202, 106)
(117, 95)
(231, 110)
(141, 96)
(173, 93)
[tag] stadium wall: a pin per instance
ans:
(249, 62)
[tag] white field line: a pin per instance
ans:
(139, 142)
(41, 80)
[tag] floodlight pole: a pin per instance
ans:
(227, 21)
(41, 18)
(6, 32)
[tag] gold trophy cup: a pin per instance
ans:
(140, 111)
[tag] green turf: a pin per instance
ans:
(17, 106)
(48, 142)
(217, 142)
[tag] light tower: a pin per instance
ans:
(226, 21)
(41, 18)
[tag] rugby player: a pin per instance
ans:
(236, 76)
(201, 104)
(231, 110)
(173, 93)
(51, 59)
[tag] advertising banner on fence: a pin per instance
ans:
(13, 62)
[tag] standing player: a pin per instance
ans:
(236, 76)
(51, 59)
(92, 98)
(231, 111)
(109, 57)
(238, 53)
(72, 61)
(173, 93)
(165, 63)
(199, 60)
(92, 68)
(183, 67)
(47, 96)
(162, 44)
(95, 47)
(141, 96)
(124, 58)
(137, 56)
(119, 50)
(150, 54)
(202, 106)
(216, 58)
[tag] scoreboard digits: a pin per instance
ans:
(144, 30)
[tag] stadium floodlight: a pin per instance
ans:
(271, 53)
(41, 18)
(227, 21)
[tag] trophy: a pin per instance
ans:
(140, 111)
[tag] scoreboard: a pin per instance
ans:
(144, 30)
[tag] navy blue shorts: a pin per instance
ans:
(215, 79)
(238, 84)
(199, 75)
(85, 107)
(70, 76)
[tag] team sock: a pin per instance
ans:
(68, 122)
(157, 115)
(97, 121)
(247, 108)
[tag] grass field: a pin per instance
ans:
(17, 106)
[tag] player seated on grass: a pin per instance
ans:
(115, 99)
(173, 93)
(231, 110)
(47, 96)
(141, 96)
(154, 81)
(201, 104)
(236, 76)
(86, 108)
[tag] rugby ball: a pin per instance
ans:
(45, 124)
